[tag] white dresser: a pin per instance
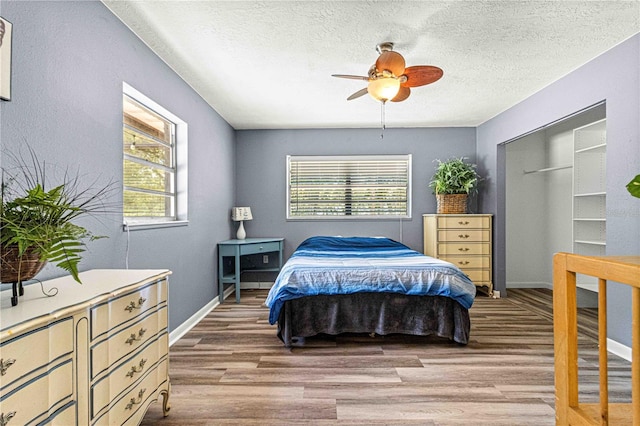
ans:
(94, 354)
(465, 241)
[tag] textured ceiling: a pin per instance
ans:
(268, 64)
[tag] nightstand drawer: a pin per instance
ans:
(465, 222)
(481, 235)
(463, 262)
(259, 248)
(463, 248)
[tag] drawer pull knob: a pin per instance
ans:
(463, 222)
(137, 368)
(463, 249)
(132, 305)
(134, 338)
(463, 236)
(464, 262)
(4, 365)
(4, 418)
(134, 401)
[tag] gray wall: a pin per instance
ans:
(614, 77)
(69, 62)
(261, 176)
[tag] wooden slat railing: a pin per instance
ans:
(621, 269)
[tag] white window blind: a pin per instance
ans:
(339, 187)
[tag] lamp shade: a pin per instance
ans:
(241, 213)
(384, 88)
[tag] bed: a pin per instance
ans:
(335, 285)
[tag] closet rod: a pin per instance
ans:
(548, 169)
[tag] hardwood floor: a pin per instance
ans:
(232, 369)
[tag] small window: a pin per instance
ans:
(349, 187)
(151, 181)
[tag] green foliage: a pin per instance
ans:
(454, 176)
(634, 186)
(40, 219)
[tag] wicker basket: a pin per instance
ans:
(452, 203)
(14, 268)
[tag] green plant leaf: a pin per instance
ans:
(634, 186)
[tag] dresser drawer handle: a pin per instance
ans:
(4, 365)
(463, 222)
(464, 262)
(463, 236)
(134, 338)
(135, 401)
(132, 305)
(137, 368)
(4, 418)
(463, 249)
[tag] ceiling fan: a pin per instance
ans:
(388, 78)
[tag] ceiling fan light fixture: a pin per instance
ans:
(384, 88)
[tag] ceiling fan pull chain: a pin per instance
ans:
(382, 125)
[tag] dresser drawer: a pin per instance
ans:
(462, 262)
(130, 409)
(65, 417)
(117, 311)
(464, 222)
(119, 345)
(463, 248)
(46, 393)
(259, 248)
(478, 275)
(463, 235)
(127, 373)
(35, 349)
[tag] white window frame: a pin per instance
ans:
(181, 174)
(292, 159)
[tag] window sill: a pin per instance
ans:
(153, 225)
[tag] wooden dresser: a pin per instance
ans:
(94, 354)
(465, 241)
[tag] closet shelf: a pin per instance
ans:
(591, 242)
(590, 219)
(591, 194)
(548, 169)
(591, 148)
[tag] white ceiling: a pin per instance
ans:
(268, 64)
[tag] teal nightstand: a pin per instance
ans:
(239, 248)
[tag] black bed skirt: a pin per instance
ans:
(380, 313)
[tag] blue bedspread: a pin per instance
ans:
(344, 265)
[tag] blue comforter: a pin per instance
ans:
(345, 265)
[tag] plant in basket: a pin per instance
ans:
(37, 217)
(452, 182)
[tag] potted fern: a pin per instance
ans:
(452, 182)
(37, 219)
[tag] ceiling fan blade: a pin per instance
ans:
(392, 61)
(421, 74)
(352, 77)
(359, 93)
(403, 94)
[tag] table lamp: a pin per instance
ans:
(240, 214)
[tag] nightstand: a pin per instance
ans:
(239, 248)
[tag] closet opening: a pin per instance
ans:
(555, 199)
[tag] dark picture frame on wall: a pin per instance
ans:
(6, 33)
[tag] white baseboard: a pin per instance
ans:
(529, 285)
(619, 349)
(254, 285)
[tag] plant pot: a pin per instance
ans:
(16, 269)
(452, 203)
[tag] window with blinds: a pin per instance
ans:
(345, 187)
